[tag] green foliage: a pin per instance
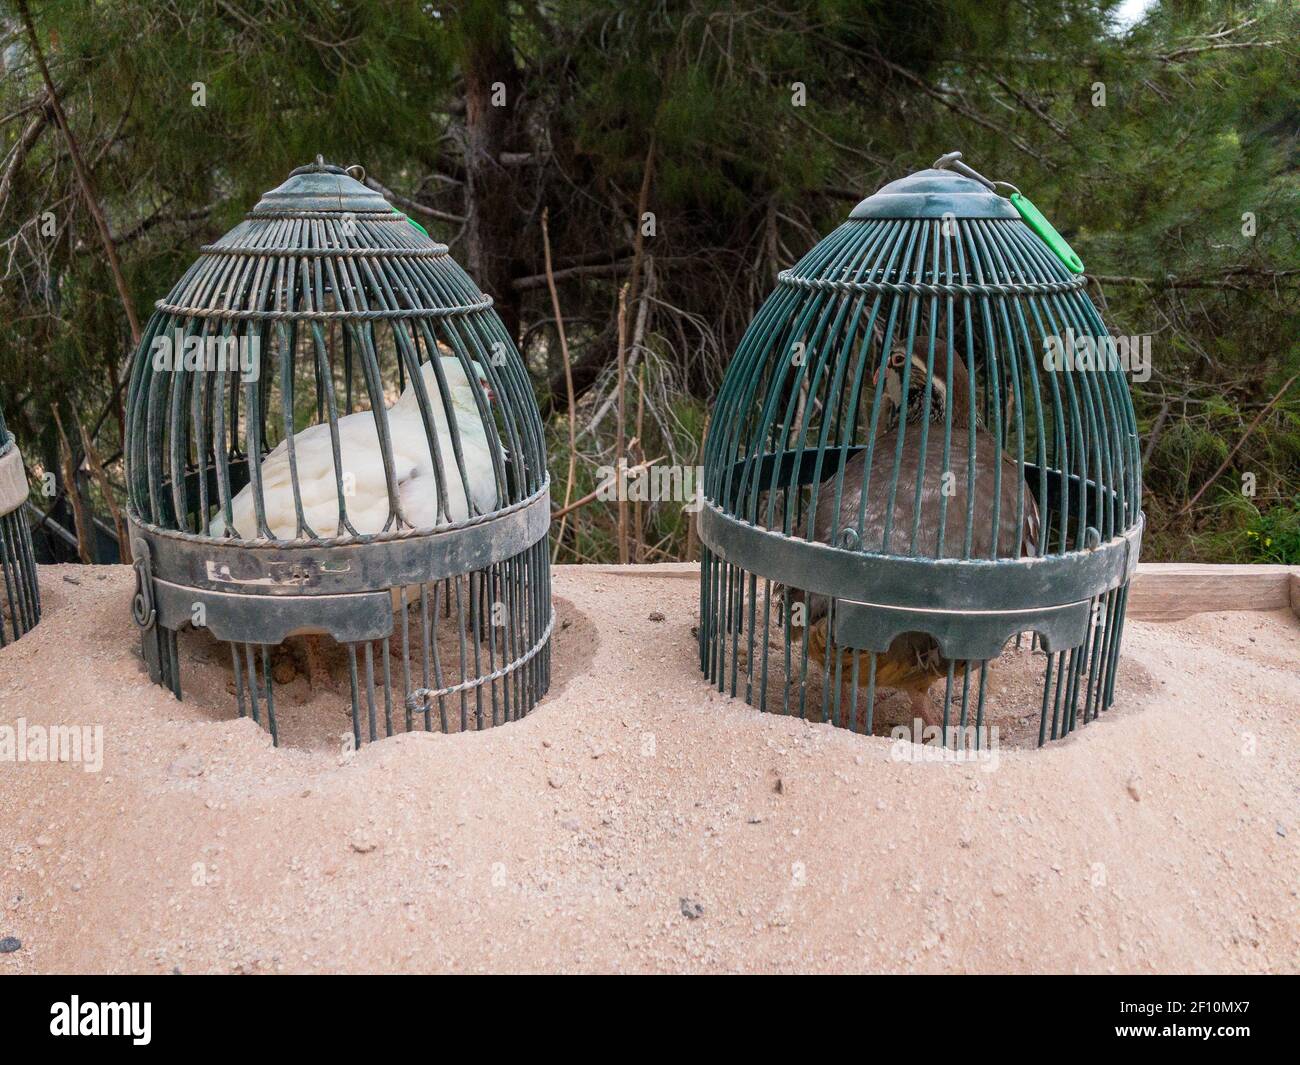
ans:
(1197, 129)
(1274, 534)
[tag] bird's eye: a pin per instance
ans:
(897, 358)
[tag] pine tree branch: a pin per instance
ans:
(523, 284)
(83, 176)
(1029, 105)
(1226, 279)
(965, 111)
(25, 144)
(568, 376)
(1182, 53)
(1244, 436)
(413, 205)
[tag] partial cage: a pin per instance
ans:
(332, 440)
(20, 605)
(904, 477)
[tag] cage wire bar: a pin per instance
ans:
(20, 606)
(898, 482)
(330, 433)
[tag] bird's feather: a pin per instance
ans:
(1008, 539)
(926, 515)
(362, 473)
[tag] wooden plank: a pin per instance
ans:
(1161, 591)
(688, 570)
(1168, 591)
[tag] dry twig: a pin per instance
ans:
(568, 381)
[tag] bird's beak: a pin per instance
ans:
(487, 391)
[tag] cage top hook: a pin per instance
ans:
(322, 186)
(1033, 217)
(952, 161)
(948, 189)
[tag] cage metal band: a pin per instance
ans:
(300, 569)
(432, 251)
(230, 314)
(933, 288)
(234, 617)
(13, 478)
(918, 582)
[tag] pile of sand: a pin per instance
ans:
(639, 820)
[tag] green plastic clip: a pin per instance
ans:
(426, 232)
(1036, 221)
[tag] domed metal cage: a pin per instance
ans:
(902, 476)
(20, 603)
(330, 433)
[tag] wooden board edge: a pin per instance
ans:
(1160, 591)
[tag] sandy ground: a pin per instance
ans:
(638, 820)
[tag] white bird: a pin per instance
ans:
(365, 487)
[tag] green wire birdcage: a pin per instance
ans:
(20, 604)
(903, 481)
(330, 435)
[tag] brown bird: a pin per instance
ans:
(913, 662)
